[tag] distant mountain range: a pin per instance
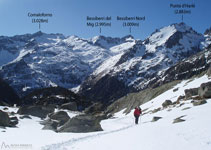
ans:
(100, 68)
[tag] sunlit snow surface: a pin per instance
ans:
(121, 133)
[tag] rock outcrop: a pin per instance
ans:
(49, 125)
(94, 108)
(13, 121)
(154, 119)
(81, 124)
(167, 103)
(4, 119)
(205, 90)
(191, 92)
(179, 119)
(37, 111)
(69, 106)
(61, 117)
(199, 102)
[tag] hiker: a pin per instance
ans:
(137, 114)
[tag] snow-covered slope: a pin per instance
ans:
(10, 47)
(43, 60)
(162, 49)
(40, 60)
(120, 132)
(140, 64)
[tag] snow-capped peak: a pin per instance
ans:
(108, 42)
(159, 37)
(105, 42)
(175, 34)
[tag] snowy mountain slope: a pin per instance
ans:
(120, 50)
(185, 69)
(146, 60)
(196, 65)
(162, 49)
(41, 60)
(121, 133)
(193, 133)
(10, 47)
(44, 60)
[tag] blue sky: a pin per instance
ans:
(69, 16)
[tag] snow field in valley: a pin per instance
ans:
(120, 132)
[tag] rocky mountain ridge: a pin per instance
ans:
(101, 68)
(40, 60)
(141, 65)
